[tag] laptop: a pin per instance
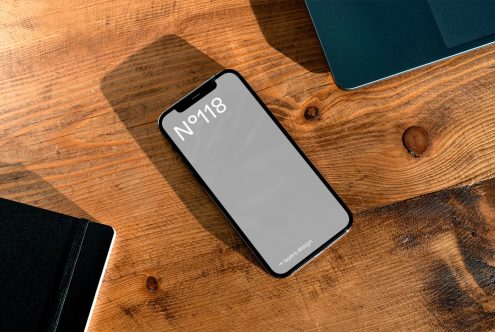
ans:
(366, 41)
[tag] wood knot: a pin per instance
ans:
(416, 140)
(311, 113)
(152, 284)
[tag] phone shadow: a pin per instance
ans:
(139, 90)
(287, 27)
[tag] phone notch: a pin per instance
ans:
(202, 91)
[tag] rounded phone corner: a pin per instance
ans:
(160, 119)
(279, 275)
(229, 71)
(350, 221)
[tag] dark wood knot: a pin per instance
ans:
(311, 113)
(416, 140)
(152, 284)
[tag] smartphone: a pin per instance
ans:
(266, 187)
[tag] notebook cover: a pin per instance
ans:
(51, 265)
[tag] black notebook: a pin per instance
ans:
(51, 266)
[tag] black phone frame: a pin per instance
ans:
(199, 93)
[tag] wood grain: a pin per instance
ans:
(423, 264)
(81, 86)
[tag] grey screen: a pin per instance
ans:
(266, 186)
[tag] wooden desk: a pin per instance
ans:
(82, 84)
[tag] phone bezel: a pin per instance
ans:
(199, 93)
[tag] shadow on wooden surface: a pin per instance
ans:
(450, 234)
(287, 27)
(21, 185)
(139, 90)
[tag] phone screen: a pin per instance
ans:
(264, 185)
